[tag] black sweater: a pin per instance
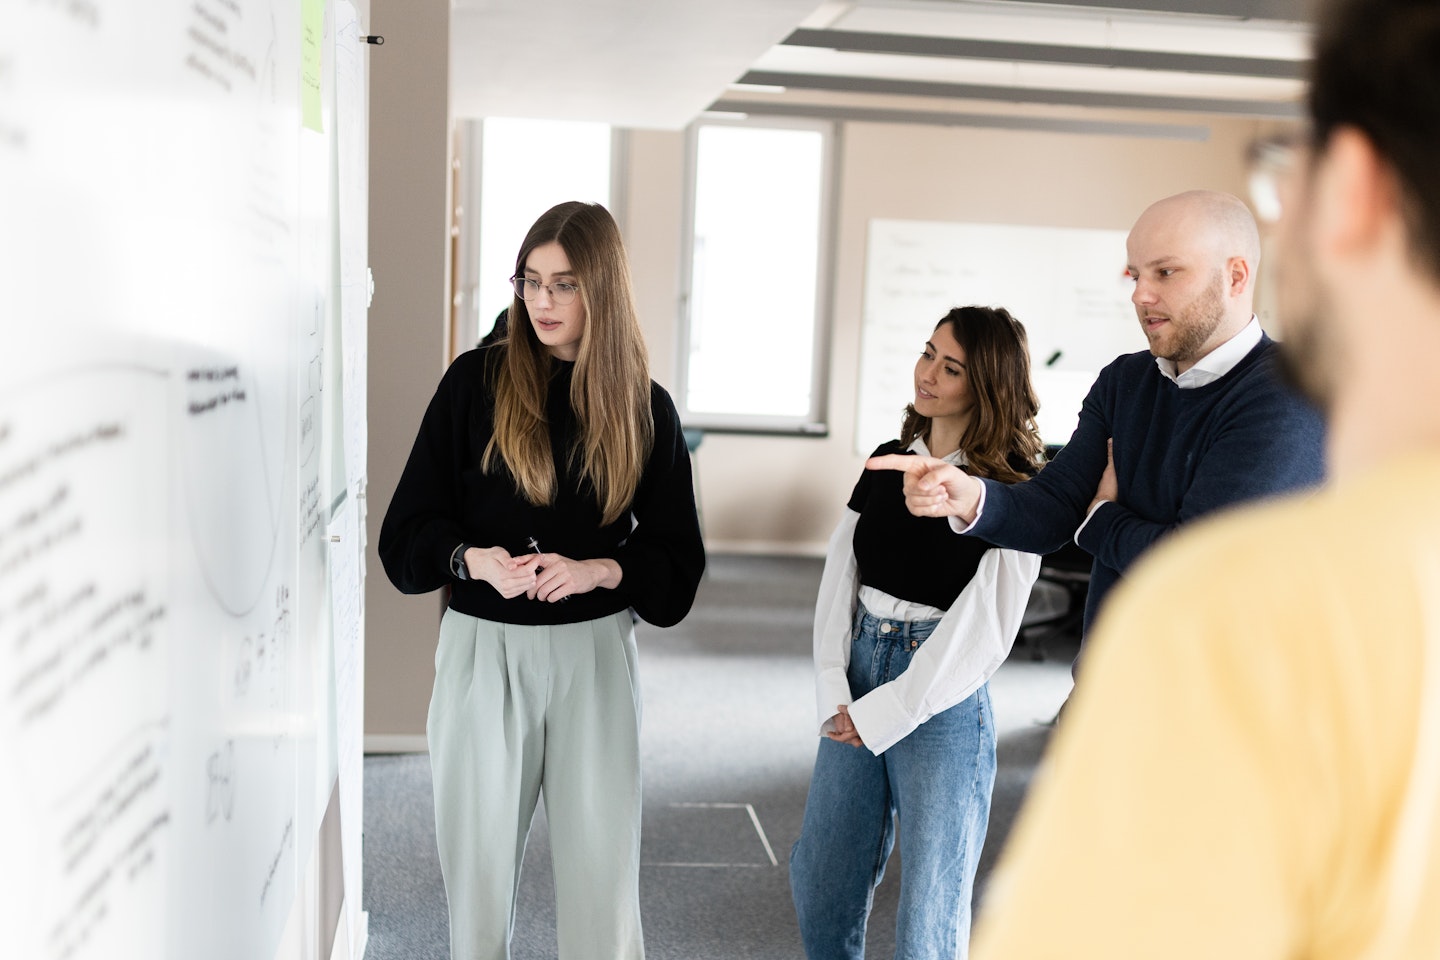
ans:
(919, 559)
(444, 499)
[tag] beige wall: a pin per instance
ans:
(651, 221)
(409, 218)
(757, 492)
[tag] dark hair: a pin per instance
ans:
(1377, 69)
(1002, 435)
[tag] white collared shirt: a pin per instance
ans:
(1217, 362)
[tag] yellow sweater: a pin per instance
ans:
(1236, 776)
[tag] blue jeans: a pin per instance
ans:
(936, 782)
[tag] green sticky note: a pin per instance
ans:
(312, 26)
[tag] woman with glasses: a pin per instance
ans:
(549, 488)
(910, 622)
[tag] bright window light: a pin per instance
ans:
(755, 277)
(528, 166)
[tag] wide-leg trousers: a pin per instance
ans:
(521, 710)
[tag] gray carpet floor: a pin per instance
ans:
(728, 741)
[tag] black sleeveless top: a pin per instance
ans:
(919, 559)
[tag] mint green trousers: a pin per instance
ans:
(518, 711)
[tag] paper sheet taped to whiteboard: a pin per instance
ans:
(1067, 285)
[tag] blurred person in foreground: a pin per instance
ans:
(1252, 767)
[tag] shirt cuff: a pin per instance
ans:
(831, 689)
(1093, 510)
(881, 719)
(960, 526)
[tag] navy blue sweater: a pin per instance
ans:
(1178, 454)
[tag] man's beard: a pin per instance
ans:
(1198, 323)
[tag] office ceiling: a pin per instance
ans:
(660, 63)
(631, 63)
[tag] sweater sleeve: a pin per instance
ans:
(1040, 515)
(1269, 442)
(664, 557)
(834, 616)
(968, 646)
(421, 528)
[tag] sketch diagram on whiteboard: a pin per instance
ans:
(1067, 286)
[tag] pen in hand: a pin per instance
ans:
(534, 546)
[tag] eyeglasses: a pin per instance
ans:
(562, 293)
(1272, 160)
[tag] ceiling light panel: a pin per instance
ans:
(1171, 33)
(810, 60)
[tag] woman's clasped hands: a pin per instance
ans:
(548, 577)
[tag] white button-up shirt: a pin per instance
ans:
(1217, 362)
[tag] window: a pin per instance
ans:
(756, 277)
(526, 167)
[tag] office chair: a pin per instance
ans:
(1069, 569)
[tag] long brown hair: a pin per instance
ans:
(997, 360)
(610, 390)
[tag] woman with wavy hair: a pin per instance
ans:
(910, 622)
(550, 489)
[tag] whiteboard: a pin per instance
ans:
(167, 474)
(1067, 285)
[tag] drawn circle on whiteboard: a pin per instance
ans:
(232, 463)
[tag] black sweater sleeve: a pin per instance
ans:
(421, 528)
(664, 556)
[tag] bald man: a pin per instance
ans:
(1197, 423)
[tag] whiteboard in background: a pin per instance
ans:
(1068, 286)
